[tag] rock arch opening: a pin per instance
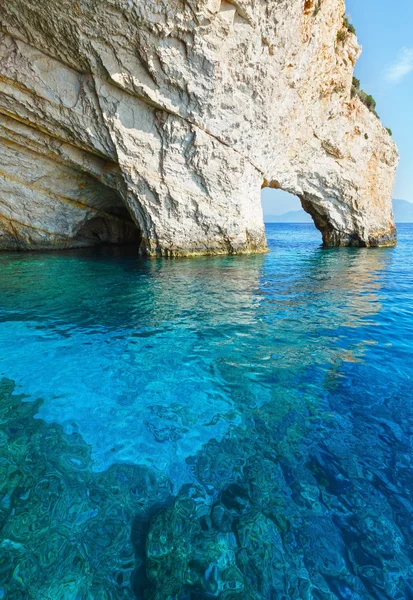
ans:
(282, 207)
(330, 214)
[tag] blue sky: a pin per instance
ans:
(385, 69)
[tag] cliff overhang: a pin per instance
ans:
(158, 123)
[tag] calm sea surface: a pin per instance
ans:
(232, 427)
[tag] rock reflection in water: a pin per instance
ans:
(133, 351)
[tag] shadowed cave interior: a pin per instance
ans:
(115, 227)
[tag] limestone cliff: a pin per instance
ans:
(158, 122)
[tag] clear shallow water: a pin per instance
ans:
(232, 427)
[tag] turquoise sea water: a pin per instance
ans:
(231, 427)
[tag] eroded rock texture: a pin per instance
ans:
(158, 123)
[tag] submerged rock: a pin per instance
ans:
(67, 531)
(157, 124)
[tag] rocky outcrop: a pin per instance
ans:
(158, 123)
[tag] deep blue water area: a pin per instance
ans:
(227, 427)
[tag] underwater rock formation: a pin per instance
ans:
(66, 531)
(304, 492)
(158, 123)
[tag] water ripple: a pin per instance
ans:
(231, 427)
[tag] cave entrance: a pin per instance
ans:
(107, 220)
(113, 227)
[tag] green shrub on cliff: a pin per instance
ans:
(367, 99)
(341, 36)
(349, 26)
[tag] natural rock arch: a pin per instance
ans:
(332, 216)
(184, 109)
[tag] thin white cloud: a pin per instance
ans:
(402, 67)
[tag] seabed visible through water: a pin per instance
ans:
(228, 427)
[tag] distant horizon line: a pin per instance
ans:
(301, 210)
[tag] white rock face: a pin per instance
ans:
(159, 122)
